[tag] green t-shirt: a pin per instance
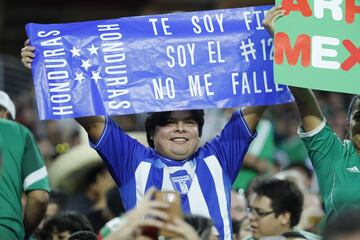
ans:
(263, 147)
(22, 170)
(337, 167)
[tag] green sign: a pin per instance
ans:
(317, 45)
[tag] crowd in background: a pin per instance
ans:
(95, 196)
(84, 202)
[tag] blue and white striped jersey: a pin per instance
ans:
(203, 181)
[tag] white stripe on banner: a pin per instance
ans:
(216, 171)
(196, 198)
(34, 177)
(141, 177)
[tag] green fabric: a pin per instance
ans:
(7, 233)
(295, 149)
(263, 147)
(21, 157)
(337, 167)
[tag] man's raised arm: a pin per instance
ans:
(252, 115)
(94, 126)
(311, 115)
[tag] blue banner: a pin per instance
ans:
(193, 60)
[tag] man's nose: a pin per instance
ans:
(250, 215)
(180, 126)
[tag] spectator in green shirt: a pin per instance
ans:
(23, 170)
(336, 162)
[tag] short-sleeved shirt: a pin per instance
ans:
(263, 147)
(203, 181)
(337, 167)
(22, 170)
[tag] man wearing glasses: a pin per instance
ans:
(275, 208)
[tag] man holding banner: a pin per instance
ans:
(174, 161)
(202, 176)
(336, 162)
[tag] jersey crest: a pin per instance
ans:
(181, 181)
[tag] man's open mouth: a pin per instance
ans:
(179, 139)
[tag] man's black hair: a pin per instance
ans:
(65, 221)
(83, 235)
(161, 119)
(202, 225)
(285, 197)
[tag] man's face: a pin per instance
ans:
(262, 218)
(179, 138)
(238, 206)
(355, 120)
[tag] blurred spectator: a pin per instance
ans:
(63, 224)
(114, 208)
(238, 212)
(57, 201)
(114, 202)
(22, 170)
(238, 205)
(203, 226)
(306, 172)
(260, 155)
(345, 226)
(93, 195)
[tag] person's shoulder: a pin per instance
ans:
(308, 235)
(5, 123)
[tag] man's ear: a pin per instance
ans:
(285, 218)
(4, 114)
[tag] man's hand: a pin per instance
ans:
(271, 16)
(27, 54)
(184, 230)
(147, 214)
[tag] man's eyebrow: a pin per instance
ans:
(187, 118)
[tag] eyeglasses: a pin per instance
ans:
(258, 212)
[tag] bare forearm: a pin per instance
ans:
(309, 108)
(93, 125)
(251, 161)
(35, 210)
(252, 115)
